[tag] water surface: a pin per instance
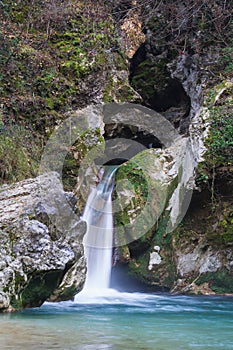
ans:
(123, 321)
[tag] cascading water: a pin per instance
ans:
(99, 236)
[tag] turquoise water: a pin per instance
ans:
(123, 321)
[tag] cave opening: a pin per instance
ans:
(131, 132)
(125, 141)
(150, 77)
(115, 161)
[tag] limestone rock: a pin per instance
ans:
(196, 261)
(37, 260)
(202, 268)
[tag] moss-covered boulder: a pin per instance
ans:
(151, 189)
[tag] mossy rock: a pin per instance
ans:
(150, 229)
(85, 141)
(161, 276)
(150, 78)
(220, 282)
(219, 142)
(141, 199)
(222, 236)
(50, 69)
(38, 288)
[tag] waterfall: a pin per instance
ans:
(98, 239)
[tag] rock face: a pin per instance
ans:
(175, 77)
(154, 189)
(159, 182)
(152, 197)
(201, 265)
(38, 261)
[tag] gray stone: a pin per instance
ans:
(37, 259)
(198, 262)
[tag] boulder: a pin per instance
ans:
(39, 260)
(153, 191)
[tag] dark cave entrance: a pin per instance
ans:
(150, 77)
(125, 141)
(121, 130)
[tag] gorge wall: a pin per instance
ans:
(178, 75)
(173, 58)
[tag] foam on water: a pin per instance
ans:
(113, 297)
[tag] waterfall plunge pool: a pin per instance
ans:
(123, 321)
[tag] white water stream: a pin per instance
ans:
(98, 239)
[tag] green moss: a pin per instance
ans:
(16, 303)
(139, 269)
(150, 77)
(85, 141)
(222, 236)
(220, 281)
(137, 184)
(41, 82)
(67, 294)
(218, 161)
(219, 142)
(167, 270)
(19, 153)
(44, 63)
(79, 46)
(146, 190)
(39, 287)
(162, 275)
(118, 90)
